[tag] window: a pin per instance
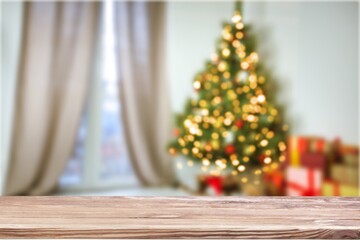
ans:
(99, 158)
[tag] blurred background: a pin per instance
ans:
(89, 91)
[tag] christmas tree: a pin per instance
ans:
(233, 124)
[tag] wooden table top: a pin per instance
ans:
(179, 217)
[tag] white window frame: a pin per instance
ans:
(90, 178)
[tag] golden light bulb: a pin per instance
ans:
(261, 80)
(204, 112)
(222, 66)
(226, 75)
(274, 112)
(253, 85)
(191, 138)
(197, 85)
(270, 134)
(244, 180)
(239, 35)
(225, 52)
(205, 162)
(245, 65)
(239, 25)
(261, 98)
(217, 100)
(227, 121)
(264, 143)
(253, 100)
(215, 135)
(207, 147)
(193, 130)
(236, 43)
(236, 18)
(241, 168)
(267, 160)
(282, 146)
(185, 151)
(227, 35)
(254, 57)
(251, 118)
(195, 150)
(246, 159)
(235, 162)
(241, 138)
(246, 89)
(257, 172)
(225, 134)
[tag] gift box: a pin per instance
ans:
(299, 146)
(303, 181)
(345, 174)
(296, 147)
(350, 155)
(333, 188)
(313, 160)
(351, 160)
(274, 183)
(217, 185)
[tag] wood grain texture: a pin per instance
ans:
(179, 217)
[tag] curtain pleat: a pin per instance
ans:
(56, 58)
(140, 38)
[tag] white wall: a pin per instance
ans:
(11, 22)
(311, 49)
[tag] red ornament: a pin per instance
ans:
(261, 158)
(239, 123)
(230, 149)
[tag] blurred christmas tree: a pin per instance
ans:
(233, 124)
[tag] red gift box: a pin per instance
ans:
(313, 160)
(215, 182)
(303, 181)
(275, 183)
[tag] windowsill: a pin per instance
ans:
(122, 190)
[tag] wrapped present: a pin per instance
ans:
(299, 145)
(218, 185)
(350, 155)
(350, 149)
(333, 188)
(351, 160)
(296, 147)
(313, 160)
(303, 181)
(318, 145)
(274, 183)
(345, 174)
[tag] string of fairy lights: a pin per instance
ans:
(231, 126)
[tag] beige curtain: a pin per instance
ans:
(140, 34)
(56, 56)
